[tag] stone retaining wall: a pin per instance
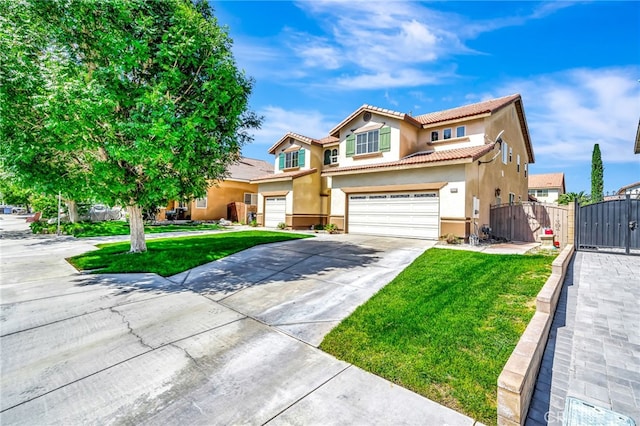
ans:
(518, 378)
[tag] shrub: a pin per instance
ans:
(331, 228)
(282, 225)
(318, 227)
(452, 239)
(253, 223)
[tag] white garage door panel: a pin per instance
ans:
(274, 211)
(402, 215)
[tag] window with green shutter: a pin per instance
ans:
(351, 145)
(385, 139)
(281, 161)
(301, 158)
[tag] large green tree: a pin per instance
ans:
(133, 102)
(597, 175)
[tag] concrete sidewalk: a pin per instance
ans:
(234, 341)
(593, 352)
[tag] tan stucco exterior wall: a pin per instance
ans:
(497, 175)
(218, 196)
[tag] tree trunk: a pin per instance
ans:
(136, 226)
(72, 208)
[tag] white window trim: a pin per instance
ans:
(436, 134)
(201, 199)
(505, 152)
(290, 159)
(518, 166)
(444, 134)
(526, 169)
(367, 142)
(464, 131)
(254, 198)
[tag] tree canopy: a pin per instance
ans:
(133, 102)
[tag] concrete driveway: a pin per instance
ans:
(231, 342)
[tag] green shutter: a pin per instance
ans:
(281, 159)
(301, 158)
(351, 145)
(385, 139)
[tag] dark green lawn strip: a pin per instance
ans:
(109, 228)
(170, 256)
(446, 326)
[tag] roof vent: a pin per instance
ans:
(366, 116)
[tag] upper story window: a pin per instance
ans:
(505, 152)
(367, 142)
(510, 155)
(372, 141)
(434, 136)
(291, 159)
(526, 169)
(539, 192)
(460, 131)
(446, 134)
(330, 156)
(518, 163)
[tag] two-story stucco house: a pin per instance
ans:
(547, 188)
(384, 172)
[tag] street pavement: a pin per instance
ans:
(231, 342)
(593, 352)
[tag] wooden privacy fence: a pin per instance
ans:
(526, 221)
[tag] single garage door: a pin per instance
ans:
(274, 211)
(409, 214)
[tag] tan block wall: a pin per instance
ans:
(517, 381)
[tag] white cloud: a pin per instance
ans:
(570, 111)
(278, 121)
(383, 80)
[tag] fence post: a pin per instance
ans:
(576, 224)
(571, 223)
(626, 222)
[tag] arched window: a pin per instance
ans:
(327, 157)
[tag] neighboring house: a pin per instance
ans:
(236, 188)
(547, 188)
(633, 189)
(389, 173)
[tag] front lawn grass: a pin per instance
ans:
(446, 326)
(109, 228)
(170, 256)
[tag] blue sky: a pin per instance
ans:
(576, 65)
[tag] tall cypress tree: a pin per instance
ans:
(597, 178)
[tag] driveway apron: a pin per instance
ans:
(231, 342)
(593, 352)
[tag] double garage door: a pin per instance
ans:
(409, 214)
(274, 211)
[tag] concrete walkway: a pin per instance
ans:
(593, 352)
(231, 342)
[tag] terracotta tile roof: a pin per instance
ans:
(470, 153)
(548, 180)
(466, 110)
(377, 110)
(328, 140)
(248, 168)
(283, 176)
(296, 136)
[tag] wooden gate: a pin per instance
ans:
(526, 221)
(610, 226)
